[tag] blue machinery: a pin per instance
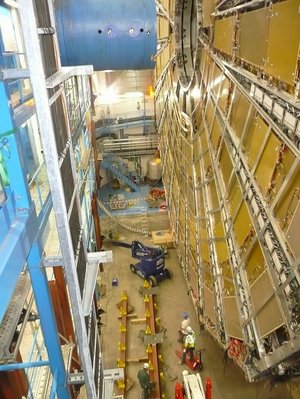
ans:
(151, 265)
(115, 34)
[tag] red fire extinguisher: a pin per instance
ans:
(178, 391)
(208, 388)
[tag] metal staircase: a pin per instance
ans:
(119, 169)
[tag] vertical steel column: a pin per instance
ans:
(38, 81)
(94, 146)
(47, 318)
(97, 227)
(214, 263)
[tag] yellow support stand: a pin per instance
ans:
(120, 363)
(155, 306)
(149, 349)
(122, 328)
(162, 376)
(146, 298)
(121, 384)
(147, 313)
(121, 347)
(123, 311)
(160, 358)
(123, 296)
(148, 331)
(151, 365)
(146, 284)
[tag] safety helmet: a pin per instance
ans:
(189, 329)
(185, 315)
(146, 366)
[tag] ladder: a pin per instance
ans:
(144, 221)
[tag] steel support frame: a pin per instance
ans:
(252, 191)
(35, 62)
(242, 289)
(262, 228)
(234, 9)
(200, 268)
(159, 82)
(164, 12)
(245, 306)
(215, 269)
(230, 71)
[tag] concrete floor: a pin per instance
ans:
(227, 379)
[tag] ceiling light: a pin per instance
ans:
(108, 96)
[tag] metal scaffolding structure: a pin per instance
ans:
(65, 349)
(230, 170)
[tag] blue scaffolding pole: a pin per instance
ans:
(48, 323)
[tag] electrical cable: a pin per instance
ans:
(116, 220)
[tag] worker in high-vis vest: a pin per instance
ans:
(186, 321)
(189, 345)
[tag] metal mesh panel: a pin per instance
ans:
(48, 52)
(92, 336)
(59, 123)
(96, 368)
(68, 186)
(81, 268)
(49, 59)
(75, 228)
(42, 13)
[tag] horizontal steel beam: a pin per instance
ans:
(14, 73)
(67, 72)
(19, 366)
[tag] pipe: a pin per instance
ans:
(19, 366)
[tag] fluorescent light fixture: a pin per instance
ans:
(133, 94)
(108, 96)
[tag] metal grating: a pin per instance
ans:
(46, 41)
(60, 129)
(41, 49)
(68, 186)
(81, 268)
(98, 378)
(75, 228)
(92, 335)
(12, 315)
